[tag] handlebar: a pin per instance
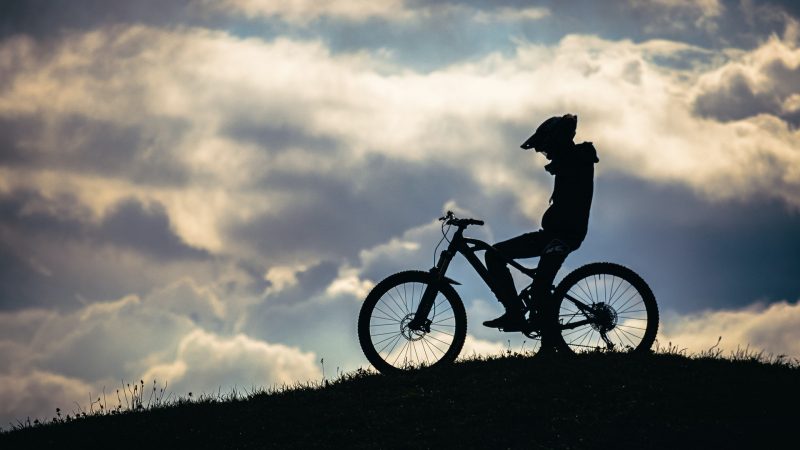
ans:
(451, 219)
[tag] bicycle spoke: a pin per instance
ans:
(588, 336)
(629, 326)
(440, 331)
(598, 338)
(628, 309)
(613, 279)
(407, 356)
(434, 337)
(393, 321)
(433, 345)
(416, 355)
(635, 293)
(627, 333)
(394, 363)
(383, 334)
(584, 291)
(623, 293)
(424, 351)
(391, 313)
(635, 310)
(630, 333)
(615, 290)
(573, 331)
(581, 336)
(395, 317)
(442, 312)
(395, 340)
(625, 336)
(642, 319)
(411, 303)
(386, 339)
(575, 294)
(571, 315)
(395, 303)
(595, 286)
(404, 303)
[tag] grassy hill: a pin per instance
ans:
(589, 401)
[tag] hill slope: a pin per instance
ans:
(591, 401)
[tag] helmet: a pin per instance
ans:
(552, 131)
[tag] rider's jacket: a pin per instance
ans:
(568, 214)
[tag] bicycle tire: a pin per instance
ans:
(385, 311)
(628, 317)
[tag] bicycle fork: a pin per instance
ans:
(421, 322)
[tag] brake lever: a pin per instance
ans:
(447, 216)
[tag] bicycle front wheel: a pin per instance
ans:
(383, 332)
(605, 306)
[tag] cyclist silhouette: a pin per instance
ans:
(563, 225)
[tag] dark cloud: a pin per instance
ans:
(141, 154)
(442, 33)
(336, 217)
(738, 97)
(310, 283)
(696, 254)
(147, 229)
(276, 137)
(127, 224)
(329, 327)
(735, 100)
(448, 35)
(44, 242)
(51, 17)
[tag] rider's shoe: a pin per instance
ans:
(509, 321)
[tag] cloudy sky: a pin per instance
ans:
(203, 191)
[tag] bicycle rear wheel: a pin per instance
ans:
(605, 306)
(388, 343)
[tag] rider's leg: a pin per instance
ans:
(502, 284)
(553, 256)
(527, 245)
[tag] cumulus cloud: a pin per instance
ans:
(511, 14)
(37, 395)
(301, 12)
(773, 328)
(181, 334)
(763, 81)
(208, 362)
(480, 347)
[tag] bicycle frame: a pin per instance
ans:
(467, 247)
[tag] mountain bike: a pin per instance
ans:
(416, 319)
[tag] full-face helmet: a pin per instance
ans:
(552, 133)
